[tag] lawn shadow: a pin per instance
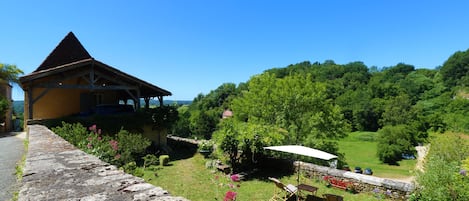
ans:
(271, 167)
(181, 150)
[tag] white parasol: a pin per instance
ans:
(305, 151)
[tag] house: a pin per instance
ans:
(227, 113)
(70, 81)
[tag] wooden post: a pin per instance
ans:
(160, 98)
(138, 99)
(147, 102)
(30, 103)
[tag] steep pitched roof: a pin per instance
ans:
(70, 54)
(69, 50)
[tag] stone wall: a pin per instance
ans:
(362, 183)
(56, 170)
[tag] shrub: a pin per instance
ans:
(138, 172)
(150, 159)
(236, 137)
(73, 133)
(443, 178)
(465, 164)
(206, 145)
(129, 167)
(4, 105)
(121, 149)
(164, 160)
(162, 117)
(393, 142)
(132, 146)
(104, 147)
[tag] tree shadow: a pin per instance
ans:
(181, 150)
(271, 167)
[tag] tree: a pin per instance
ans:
(358, 109)
(182, 126)
(9, 73)
(394, 141)
(273, 111)
(205, 111)
(293, 103)
(236, 137)
(203, 123)
(455, 69)
(456, 113)
(397, 111)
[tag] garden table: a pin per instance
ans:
(308, 188)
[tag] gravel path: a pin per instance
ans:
(11, 150)
(422, 152)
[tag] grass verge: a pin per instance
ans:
(19, 167)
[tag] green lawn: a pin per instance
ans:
(188, 177)
(360, 151)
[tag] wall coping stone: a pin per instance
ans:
(403, 188)
(56, 170)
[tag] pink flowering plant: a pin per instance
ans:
(228, 184)
(102, 146)
(119, 149)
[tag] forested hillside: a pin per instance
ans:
(18, 107)
(315, 103)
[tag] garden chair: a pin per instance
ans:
(332, 197)
(282, 192)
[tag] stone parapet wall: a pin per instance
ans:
(56, 170)
(184, 140)
(361, 182)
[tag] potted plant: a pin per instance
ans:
(206, 147)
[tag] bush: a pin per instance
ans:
(132, 146)
(121, 149)
(164, 160)
(73, 133)
(206, 145)
(4, 105)
(394, 141)
(162, 117)
(129, 167)
(149, 160)
(138, 172)
(236, 137)
(443, 178)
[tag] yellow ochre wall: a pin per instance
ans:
(61, 102)
(55, 103)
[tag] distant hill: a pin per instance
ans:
(18, 106)
(168, 102)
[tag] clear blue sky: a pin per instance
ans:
(192, 47)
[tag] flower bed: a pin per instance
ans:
(339, 183)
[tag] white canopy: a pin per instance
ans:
(305, 151)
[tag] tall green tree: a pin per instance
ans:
(9, 73)
(398, 110)
(206, 110)
(455, 70)
(293, 103)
